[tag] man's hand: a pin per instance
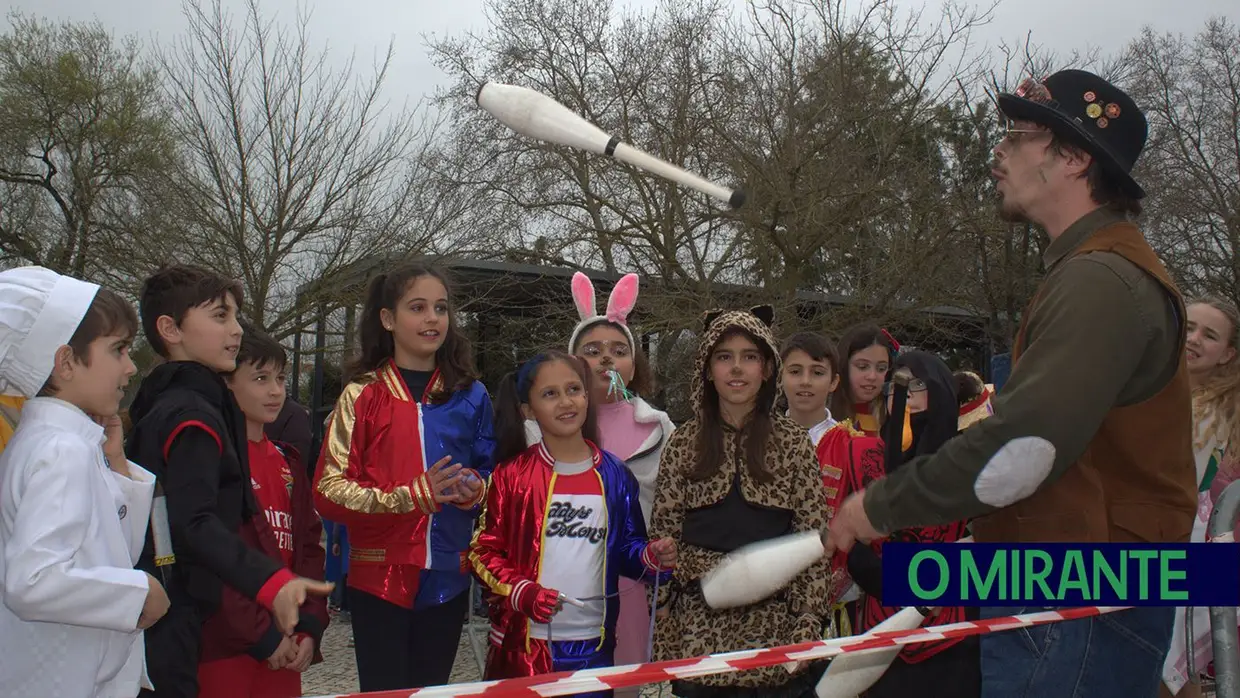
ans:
(283, 655)
(664, 550)
(305, 654)
(156, 604)
(851, 524)
(286, 609)
(468, 488)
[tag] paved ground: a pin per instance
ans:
(338, 672)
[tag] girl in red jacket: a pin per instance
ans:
(404, 465)
(244, 655)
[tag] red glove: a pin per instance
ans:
(651, 558)
(534, 601)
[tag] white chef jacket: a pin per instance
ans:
(71, 530)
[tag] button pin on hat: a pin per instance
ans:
(1119, 129)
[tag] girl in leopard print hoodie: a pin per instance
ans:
(738, 473)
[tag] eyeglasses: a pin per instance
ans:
(1015, 135)
(916, 385)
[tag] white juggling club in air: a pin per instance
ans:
(534, 114)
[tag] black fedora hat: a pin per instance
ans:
(1089, 112)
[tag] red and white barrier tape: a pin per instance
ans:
(567, 683)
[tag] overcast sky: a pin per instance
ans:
(365, 26)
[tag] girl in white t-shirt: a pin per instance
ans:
(561, 524)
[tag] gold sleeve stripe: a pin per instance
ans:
(431, 505)
(480, 568)
(602, 487)
(421, 492)
(542, 540)
(395, 384)
(335, 485)
(486, 489)
(415, 490)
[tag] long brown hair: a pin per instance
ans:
(454, 358)
(514, 391)
(757, 430)
(859, 338)
(1219, 395)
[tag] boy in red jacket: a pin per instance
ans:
(244, 655)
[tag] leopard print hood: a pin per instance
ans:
(756, 321)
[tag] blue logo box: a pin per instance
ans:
(1061, 574)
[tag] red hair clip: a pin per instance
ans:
(895, 346)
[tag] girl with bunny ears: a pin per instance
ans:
(628, 427)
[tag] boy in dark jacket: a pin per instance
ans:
(243, 654)
(189, 432)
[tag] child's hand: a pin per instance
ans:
(443, 478)
(536, 602)
(305, 654)
(664, 550)
(114, 443)
(336, 549)
(156, 604)
(284, 654)
(286, 608)
(468, 490)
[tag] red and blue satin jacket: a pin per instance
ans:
(507, 547)
(371, 477)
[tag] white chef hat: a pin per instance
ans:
(39, 312)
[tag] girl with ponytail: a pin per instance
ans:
(629, 428)
(562, 523)
(404, 466)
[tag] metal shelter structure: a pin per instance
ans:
(490, 292)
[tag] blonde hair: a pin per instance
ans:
(1218, 396)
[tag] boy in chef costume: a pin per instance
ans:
(73, 510)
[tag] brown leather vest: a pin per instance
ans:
(1136, 480)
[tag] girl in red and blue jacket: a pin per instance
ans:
(404, 465)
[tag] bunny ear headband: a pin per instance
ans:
(619, 305)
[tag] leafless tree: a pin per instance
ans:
(644, 77)
(1189, 89)
(835, 124)
(298, 169)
